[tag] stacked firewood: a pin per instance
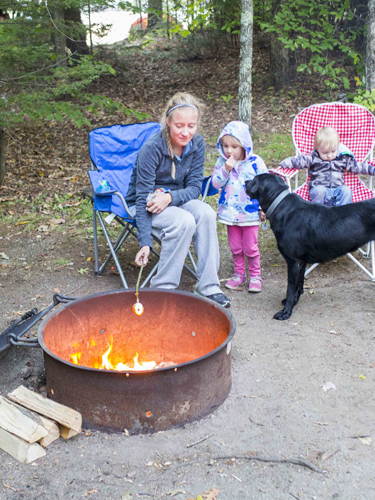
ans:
(29, 423)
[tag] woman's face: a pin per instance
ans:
(182, 126)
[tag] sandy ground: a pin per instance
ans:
(277, 408)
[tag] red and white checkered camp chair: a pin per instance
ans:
(356, 128)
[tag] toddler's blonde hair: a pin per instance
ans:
(326, 137)
(181, 99)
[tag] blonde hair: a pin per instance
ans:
(181, 99)
(326, 137)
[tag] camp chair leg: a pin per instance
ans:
(372, 277)
(308, 271)
(151, 274)
(113, 251)
(192, 262)
(366, 253)
(120, 240)
(372, 255)
(95, 241)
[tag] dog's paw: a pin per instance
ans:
(282, 315)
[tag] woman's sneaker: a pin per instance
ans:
(255, 284)
(236, 281)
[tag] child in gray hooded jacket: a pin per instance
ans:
(326, 166)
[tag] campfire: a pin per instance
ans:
(107, 364)
(168, 366)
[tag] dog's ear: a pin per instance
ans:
(252, 188)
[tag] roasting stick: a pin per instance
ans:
(138, 307)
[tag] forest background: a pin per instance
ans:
(259, 61)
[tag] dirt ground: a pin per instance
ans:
(277, 408)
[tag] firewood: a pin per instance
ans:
(21, 422)
(53, 432)
(67, 433)
(51, 427)
(55, 411)
(19, 449)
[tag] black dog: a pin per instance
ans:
(307, 232)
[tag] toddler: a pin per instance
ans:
(326, 166)
(236, 165)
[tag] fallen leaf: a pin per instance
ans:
(89, 258)
(90, 492)
(363, 377)
(126, 432)
(57, 221)
(27, 267)
(365, 440)
(327, 386)
(126, 496)
(311, 292)
(56, 290)
(276, 265)
(333, 332)
(83, 271)
(4, 256)
(22, 223)
(210, 495)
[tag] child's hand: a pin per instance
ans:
(262, 216)
(230, 163)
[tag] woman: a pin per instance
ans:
(163, 192)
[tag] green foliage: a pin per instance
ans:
(227, 98)
(316, 31)
(36, 82)
(363, 96)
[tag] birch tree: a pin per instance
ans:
(246, 62)
(370, 47)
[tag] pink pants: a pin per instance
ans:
(243, 240)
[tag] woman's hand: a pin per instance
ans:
(159, 202)
(142, 256)
(262, 216)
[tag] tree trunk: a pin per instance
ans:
(370, 47)
(76, 31)
(58, 33)
(282, 65)
(2, 156)
(154, 18)
(246, 62)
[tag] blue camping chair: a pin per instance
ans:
(113, 152)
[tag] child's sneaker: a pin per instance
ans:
(255, 284)
(236, 281)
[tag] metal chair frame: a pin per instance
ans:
(366, 154)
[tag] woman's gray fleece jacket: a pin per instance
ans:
(152, 170)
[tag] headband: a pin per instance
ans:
(181, 106)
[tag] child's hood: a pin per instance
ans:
(239, 131)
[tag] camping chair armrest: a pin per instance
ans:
(96, 179)
(207, 188)
(120, 195)
(287, 174)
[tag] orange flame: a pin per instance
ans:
(106, 363)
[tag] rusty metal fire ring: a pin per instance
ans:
(179, 327)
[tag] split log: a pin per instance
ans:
(19, 449)
(21, 422)
(53, 432)
(67, 433)
(55, 411)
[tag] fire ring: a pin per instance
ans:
(186, 336)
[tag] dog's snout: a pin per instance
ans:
(248, 186)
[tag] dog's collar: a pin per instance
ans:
(276, 202)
